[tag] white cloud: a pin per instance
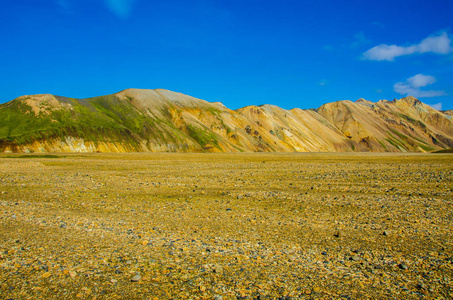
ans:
(421, 80)
(439, 44)
(411, 87)
(437, 106)
(436, 44)
(386, 52)
(121, 8)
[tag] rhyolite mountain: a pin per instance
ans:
(137, 120)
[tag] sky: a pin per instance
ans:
(290, 53)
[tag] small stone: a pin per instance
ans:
(355, 258)
(185, 277)
(136, 278)
(402, 266)
(218, 270)
(114, 281)
(337, 234)
(72, 274)
(385, 233)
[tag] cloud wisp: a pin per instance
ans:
(359, 40)
(66, 5)
(437, 106)
(412, 87)
(439, 44)
(122, 8)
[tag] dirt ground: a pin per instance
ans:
(226, 226)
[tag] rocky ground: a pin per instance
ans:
(226, 226)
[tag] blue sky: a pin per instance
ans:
(291, 53)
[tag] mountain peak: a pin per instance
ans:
(42, 103)
(161, 121)
(364, 102)
(409, 100)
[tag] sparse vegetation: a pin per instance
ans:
(202, 137)
(413, 121)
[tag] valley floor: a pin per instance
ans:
(226, 226)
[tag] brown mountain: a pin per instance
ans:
(161, 120)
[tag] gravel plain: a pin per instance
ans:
(226, 226)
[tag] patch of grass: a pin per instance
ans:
(19, 125)
(100, 119)
(202, 137)
(124, 114)
(400, 135)
(383, 145)
(426, 148)
(228, 129)
(213, 110)
(395, 144)
(413, 121)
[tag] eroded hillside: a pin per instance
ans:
(136, 120)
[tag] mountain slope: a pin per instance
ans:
(161, 120)
(399, 125)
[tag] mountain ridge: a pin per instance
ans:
(137, 120)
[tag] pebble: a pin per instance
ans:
(355, 258)
(218, 270)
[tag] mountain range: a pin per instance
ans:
(136, 120)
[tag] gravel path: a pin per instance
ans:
(223, 226)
